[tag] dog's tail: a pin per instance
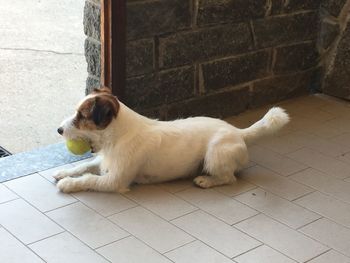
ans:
(272, 122)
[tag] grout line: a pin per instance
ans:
(294, 173)
(182, 230)
(262, 244)
(182, 246)
(250, 217)
(29, 244)
(96, 248)
(63, 206)
(124, 210)
(197, 209)
(85, 243)
(238, 194)
(318, 255)
(299, 197)
(18, 197)
(313, 221)
(200, 209)
(25, 245)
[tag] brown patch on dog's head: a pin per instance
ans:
(97, 111)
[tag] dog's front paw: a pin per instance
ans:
(61, 174)
(67, 185)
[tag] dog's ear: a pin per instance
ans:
(104, 110)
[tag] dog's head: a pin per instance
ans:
(93, 116)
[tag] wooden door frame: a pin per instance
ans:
(113, 45)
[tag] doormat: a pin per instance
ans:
(4, 153)
(37, 160)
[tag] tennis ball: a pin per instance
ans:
(78, 146)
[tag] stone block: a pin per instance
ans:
(139, 57)
(92, 55)
(279, 30)
(333, 7)
(150, 18)
(300, 5)
(275, 89)
(217, 105)
(329, 31)
(296, 57)
(91, 84)
(233, 71)
(224, 11)
(92, 20)
(204, 44)
(337, 82)
(159, 88)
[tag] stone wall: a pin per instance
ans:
(213, 57)
(334, 46)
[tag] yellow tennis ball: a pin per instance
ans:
(78, 146)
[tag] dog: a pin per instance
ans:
(132, 148)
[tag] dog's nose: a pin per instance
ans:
(60, 130)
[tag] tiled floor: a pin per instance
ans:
(292, 204)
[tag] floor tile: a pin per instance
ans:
(6, 194)
(215, 233)
(238, 187)
(275, 183)
(331, 256)
(327, 206)
(64, 248)
(316, 143)
(324, 183)
(176, 186)
(345, 158)
(331, 234)
(48, 174)
(159, 201)
(159, 234)
(39, 192)
(197, 252)
(274, 161)
(282, 238)
(278, 208)
(324, 130)
(281, 144)
(25, 222)
(315, 114)
(225, 208)
(12, 251)
(306, 125)
(321, 162)
(263, 254)
(87, 225)
(131, 250)
(341, 123)
(105, 203)
(343, 139)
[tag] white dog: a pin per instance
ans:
(133, 148)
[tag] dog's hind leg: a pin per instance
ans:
(221, 161)
(86, 167)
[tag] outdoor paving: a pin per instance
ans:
(292, 204)
(42, 69)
